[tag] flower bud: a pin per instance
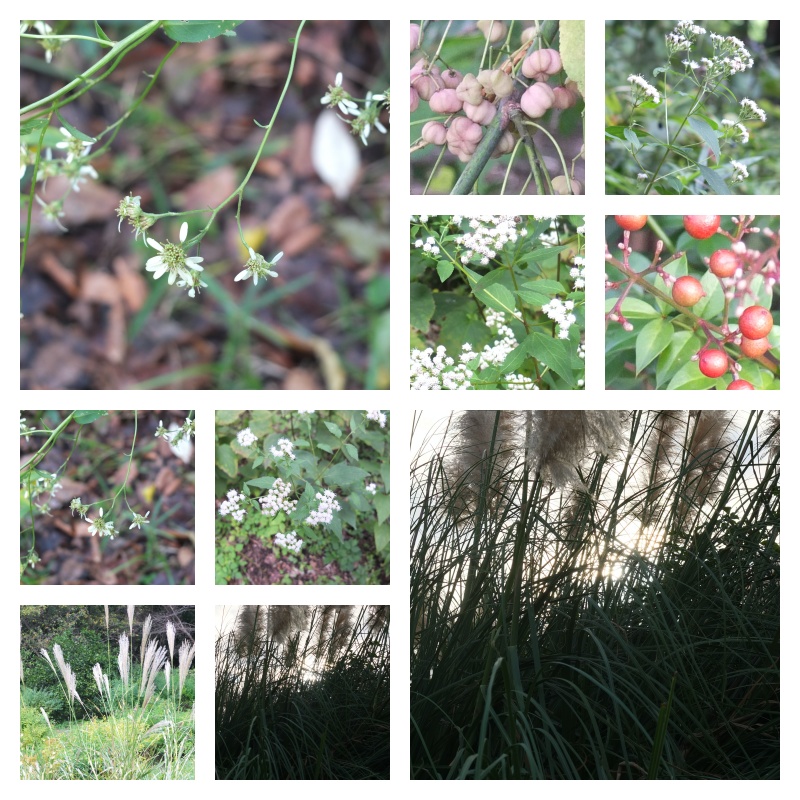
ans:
(483, 114)
(426, 79)
(537, 100)
(451, 78)
(414, 40)
(434, 133)
(560, 185)
(529, 34)
(445, 101)
(496, 82)
(469, 90)
(564, 98)
(505, 145)
(493, 29)
(541, 64)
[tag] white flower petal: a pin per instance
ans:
(184, 231)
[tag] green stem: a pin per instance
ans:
(480, 158)
(127, 43)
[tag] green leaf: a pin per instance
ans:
(84, 137)
(532, 298)
(421, 306)
(101, 34)
(634, 308)
(572, 48)
(631, 136)
(85, 417)
(351, 451)
(553, 353)
(690, 377)
(382, 538)
(683, 346)
(31, 125)
(225, 459)
(227, 417)
(344, 475)
(445, 269)
(711, 305)
(199, 30)
(652, 340)
(544, 286)
(706, 133)
(499, 298)
(382, 506)
(514, 359)
(261, 483)
(334, 429)
(713, 179)
(385, 474)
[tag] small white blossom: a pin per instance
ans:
(258, 267)
(173, 260)
(246, 437)
(283, 450)
(101, 527)
(139, 520)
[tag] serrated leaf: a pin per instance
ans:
(351, 451)
(385, 474)
(533, 298)
(334, 429)
(382, 538)
(86, 417)
(344, 475)
(445, 269)
(421, 306)
(553, 353)
(382, 506)
(651, 341)
(324, 447)
(199, 30)
(225, 459)
(491, 278)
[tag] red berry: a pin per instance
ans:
(713, 363)
(701, 226)
(755, 322)
(687, 291)
(723, 263)
(631, 222)
(741, 385)
(753, 348)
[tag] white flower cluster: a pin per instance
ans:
(377, 416)
(366, 118)
(489, 234)
(560, 311)
(750, 110)
(683, 36)
(289, 541)
(323, 514)
(643, 88)
(246, 437)
(283, 450)
(275, 500)
(302, 411)
(231, 506)
(371, 488)
(432, 372)
(576, 272)
(730, 56)
(738, 130)
(739, 172)
(429, 246)
(429, 371)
